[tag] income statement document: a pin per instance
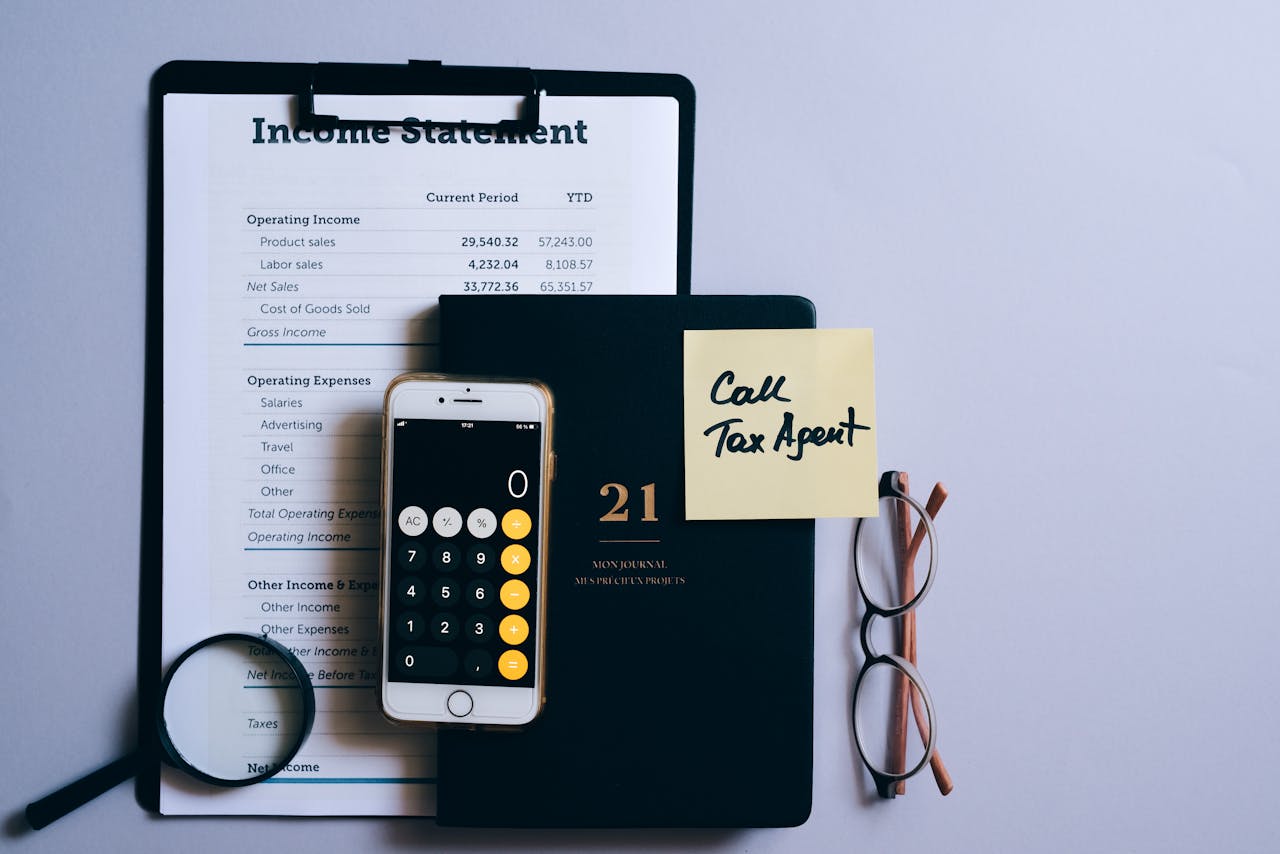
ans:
(301, 270)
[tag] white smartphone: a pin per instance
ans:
(466, 475)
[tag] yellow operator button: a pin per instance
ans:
(516, 524)
(514, 594)
(512, 664)
(513, 629)
(515, 559)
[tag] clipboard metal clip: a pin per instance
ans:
(420, 78)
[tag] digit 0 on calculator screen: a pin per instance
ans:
(464, 552)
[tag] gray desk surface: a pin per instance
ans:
(1061, 220)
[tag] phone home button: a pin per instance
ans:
(459, 704)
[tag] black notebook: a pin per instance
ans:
(679, 654)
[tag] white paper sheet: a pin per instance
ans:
(301, 271)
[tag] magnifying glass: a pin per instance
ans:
(234, 710)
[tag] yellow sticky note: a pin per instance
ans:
(779, 423)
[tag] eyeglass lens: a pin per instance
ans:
(884, 545)
(887, 739)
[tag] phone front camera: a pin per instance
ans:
(441, 400)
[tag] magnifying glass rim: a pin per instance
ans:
(308, 708)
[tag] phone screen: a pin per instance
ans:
(463, 552)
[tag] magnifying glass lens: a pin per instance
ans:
(234, 710)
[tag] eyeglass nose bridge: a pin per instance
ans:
(869, 651)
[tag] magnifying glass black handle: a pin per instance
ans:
(72, 796)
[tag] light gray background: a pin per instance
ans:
(1060, 218)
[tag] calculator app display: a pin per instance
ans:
(464, 552)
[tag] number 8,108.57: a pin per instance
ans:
(569, 263)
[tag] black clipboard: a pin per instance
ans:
(309, 83)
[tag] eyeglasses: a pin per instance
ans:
(886, 551)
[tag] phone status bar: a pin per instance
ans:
(519, 425)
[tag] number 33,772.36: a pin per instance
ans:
(479, 287)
